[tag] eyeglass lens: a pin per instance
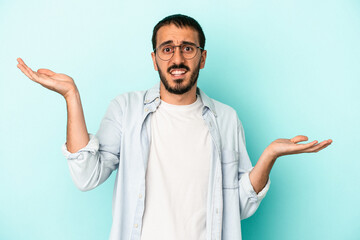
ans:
(167, 51)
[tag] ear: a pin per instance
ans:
(153, 56)
(203, 58)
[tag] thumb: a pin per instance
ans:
(299, 138)
(45, 71)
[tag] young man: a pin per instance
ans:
(183, 169)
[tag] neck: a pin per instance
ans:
(176, 99)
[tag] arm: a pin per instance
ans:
(259, 175)
(254, 182)
(93, 164)
(90, 162)
(77, 135)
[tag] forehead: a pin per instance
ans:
(177, 35)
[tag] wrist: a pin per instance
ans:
(270, 154)
(72, 95)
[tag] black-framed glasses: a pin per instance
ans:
(166, 51)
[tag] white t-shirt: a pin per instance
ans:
(177, 174)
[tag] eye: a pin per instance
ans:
(167, 49)
(188, 48)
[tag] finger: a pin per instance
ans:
(318, 147)
(303, 147)
(299, 138)
(47, 72)
(31, 74)
(325, 146)
(324, 143)
(25, 69)
(34, 76)
(21, 62)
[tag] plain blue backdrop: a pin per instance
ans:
(287, 67)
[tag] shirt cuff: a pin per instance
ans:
(245, 182)
(92, 147)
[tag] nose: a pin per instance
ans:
(178, 56)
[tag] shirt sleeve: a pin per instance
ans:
(249, 199)
(93, 164)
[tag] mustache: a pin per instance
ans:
(178, 66)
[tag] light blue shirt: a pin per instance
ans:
(123, 142)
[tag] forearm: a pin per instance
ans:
(259, 175)
(77, 135)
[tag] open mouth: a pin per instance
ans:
(178, 72)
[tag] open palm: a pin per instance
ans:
(281, 147)
(57, 82)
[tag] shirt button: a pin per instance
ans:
(217, 211)
(135, 225)
(140, 195)
(146, 109)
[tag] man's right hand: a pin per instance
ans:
(57, 82)
(76, 135)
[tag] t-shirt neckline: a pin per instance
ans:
(187, 107)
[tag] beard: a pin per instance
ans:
(179, 88)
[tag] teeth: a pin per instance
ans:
(177, 72)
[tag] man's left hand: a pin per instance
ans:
(281, 147)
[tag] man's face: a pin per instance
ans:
(169, 70)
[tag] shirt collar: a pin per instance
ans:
(154, 93)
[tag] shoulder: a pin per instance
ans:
(128, 99)
(226, 114)
(222, 108)
(219, 109)
(130, 96)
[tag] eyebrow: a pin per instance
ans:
(182, 42)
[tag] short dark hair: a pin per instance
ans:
(179, 21)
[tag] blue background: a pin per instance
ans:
(287, 67)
